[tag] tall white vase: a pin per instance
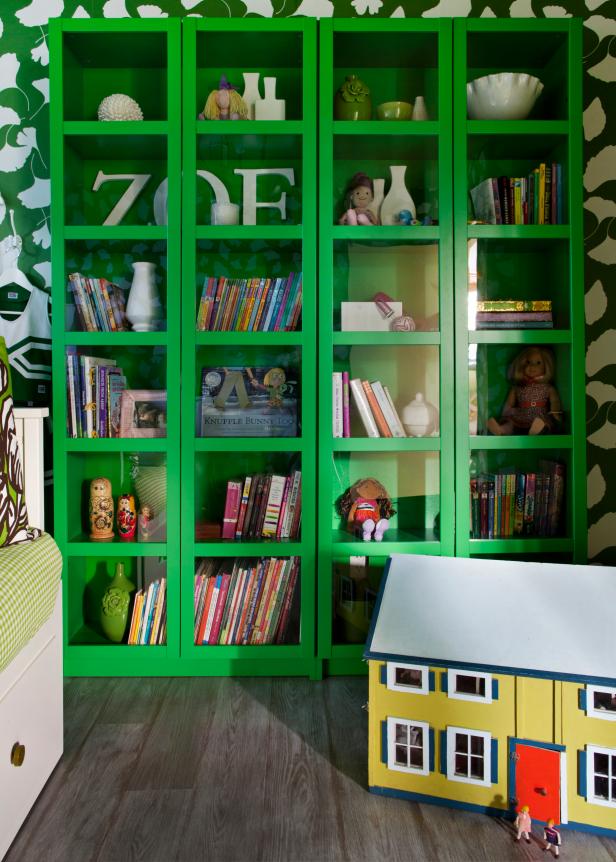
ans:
(397, 198)
(143, 309)
(270, 108)
(379, 193)
(251, 91)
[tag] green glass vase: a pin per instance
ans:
(115, 604)
(352, 100)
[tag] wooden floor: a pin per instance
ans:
(225, 770)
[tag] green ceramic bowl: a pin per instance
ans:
(394, 111)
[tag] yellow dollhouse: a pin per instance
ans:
(492, 685)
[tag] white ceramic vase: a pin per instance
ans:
(270, 108)
(377, 200)
(143, 309)
(419, 417)
(419, 109)
(397, 198)
(251, 92)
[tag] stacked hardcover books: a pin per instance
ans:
(263, 506)
(94, 387)
(514, 314)
(99, 304)
(374, 405)
(250, 304)
(535, 199)
(245, 601)
(148, 623)
(518, 504)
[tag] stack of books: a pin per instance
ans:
(99, 304)
(535, 199)
(94, 387)
(514, 314)
(263, 506)
(374, 405)
(245, 601)
(148, 623)
(250, 304)
(517, 504)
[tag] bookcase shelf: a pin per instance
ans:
(547, 441)
(386, 444)
(520, 336)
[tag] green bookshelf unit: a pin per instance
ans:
(259, 280)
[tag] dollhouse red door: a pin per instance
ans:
(537, 780)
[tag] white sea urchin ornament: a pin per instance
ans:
(119, 107)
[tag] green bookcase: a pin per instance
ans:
(273, 247)
(89, 61)
(528, 261)
(397, 60)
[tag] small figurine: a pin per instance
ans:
(101, 510)
(366, 506)
(523, 824)
(126, 518)
(551, 836)
(143, 523)
(359, 196)
(225, 103)
(405, 217)
(533, 404)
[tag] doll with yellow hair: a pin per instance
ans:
(225, 103)
(533, 404)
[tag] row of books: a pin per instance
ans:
(263, 506)
(250, 304)
(514, 314)
(94, 387)
(148, 623)
(374, 404)
(99, 304)
(535, 199)
(245, 601)
(517, 504)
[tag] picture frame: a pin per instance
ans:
(143, 413)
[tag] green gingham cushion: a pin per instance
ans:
(29, 578)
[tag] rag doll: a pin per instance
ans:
(366, 506)
(359, 196)
(533, 404)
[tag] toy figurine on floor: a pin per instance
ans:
(533, 404)
(523, 824)
(224, 103)
(367, 509)
(359, 196)
(552, 838)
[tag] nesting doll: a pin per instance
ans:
(127, 517)
(101, 510)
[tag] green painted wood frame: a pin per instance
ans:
(345, 657)
(565, 128)
(298, 659)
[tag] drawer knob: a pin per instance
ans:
(18, 754)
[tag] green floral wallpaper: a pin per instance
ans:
(24, 167)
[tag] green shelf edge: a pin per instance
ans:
(417, 128)
(539, 442)
(520, 336)
(386, 444)
(232, 337)
(249, 548)
(518, 231)
(385, 338)
(110, 232)
(121, 339)
(116, 549)
(249, 127)
(96, 445)
(115, 128)
(517, 127)
(249, 444)
(248, 232)
(411, 233)
(520, 546)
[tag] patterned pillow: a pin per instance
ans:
(13, 515)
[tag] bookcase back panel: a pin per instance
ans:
(412, 480)
(355, 585)
(88, 578)
(406, 271)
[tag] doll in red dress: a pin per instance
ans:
(367, 508)
(533, 404)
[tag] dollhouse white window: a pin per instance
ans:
(408, 677)
(408, 745)
(468, 685)
(601, 702)
(469, 756)
(601, 775)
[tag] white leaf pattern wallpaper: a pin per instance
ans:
(24, 171)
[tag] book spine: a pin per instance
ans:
(242, 605)
(337, 420)
(529, 504)
(135, 617)
(346, 415)
(264, 598)
(234, 593)
(363, 408)
(292, 505)
(73, 281)
(254, 601)
(211, 611)
(151, 613)
(243, 506)
(262, 506)
(264, 290)
(376, 410)
(498, 217)
(273, 505)
(541, 198)
(513, 305)
(110, 317)
(516, 316)
(297, 308)
(285, 614)
(474, 509)
(157, 612)
(220, 606)
(386, 409)
(283, 507)
(272, 304)
(232, 504)
(273, 600)
(547, 213)
(398, 421)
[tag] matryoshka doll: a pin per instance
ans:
(126, 518)
(101, 510)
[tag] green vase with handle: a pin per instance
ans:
(115, 604)
(352, 101)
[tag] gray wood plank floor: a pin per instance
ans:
(235, 770)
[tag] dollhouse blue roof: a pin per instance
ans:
(534, 619)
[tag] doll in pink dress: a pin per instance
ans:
(359, 196)
(533, 404)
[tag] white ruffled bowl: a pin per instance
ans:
(503, 96)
